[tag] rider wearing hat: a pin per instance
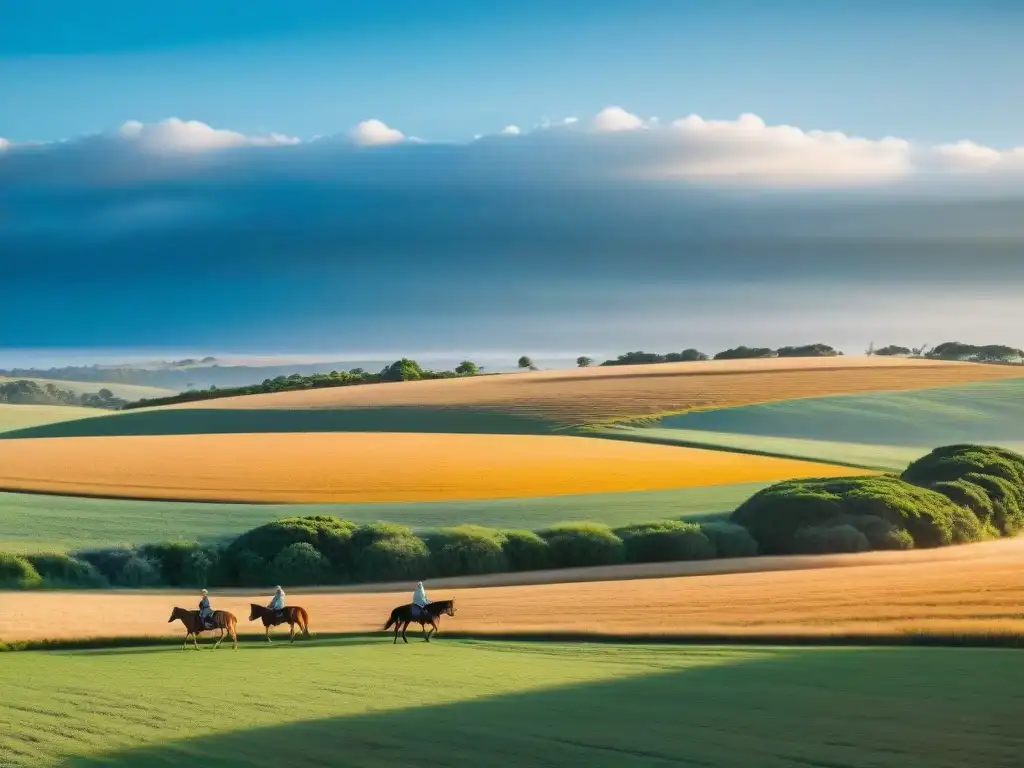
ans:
(277, 601)
(205, 611)
(420, 599)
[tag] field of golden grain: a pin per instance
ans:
(595, 395)
(976, 588)
(325, 467)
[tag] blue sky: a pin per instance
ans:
(239, 233)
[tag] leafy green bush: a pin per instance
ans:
(200, 567)
(664, 541)
(109, 562)
(386, 552)
(828, 539)
(17, 573)
(243, 568)
(139, 571)
(171, 558)
(466, 550)
(575, 545)
(881, 534)
(331, 536)
(60, 570)
(996, 472)
(729, 539)
(525, 551)
(301, 564)
(774, 514)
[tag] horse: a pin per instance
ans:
(291, 615)
(402, 616)
(221, 620)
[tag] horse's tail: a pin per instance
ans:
(304, 618)
(392, 620)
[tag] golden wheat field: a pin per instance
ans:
(594, 395)
(325, 467)
(975, 588)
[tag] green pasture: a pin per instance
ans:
(197, 421)
(990, 413)
(364, 702)
(39, 523)
(888, 458)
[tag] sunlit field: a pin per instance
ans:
(366, 702)
(371, 467)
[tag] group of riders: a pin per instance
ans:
(419, 603)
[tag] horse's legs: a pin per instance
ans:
(195, 636)
(186, 640)
(405, 626)
(219, 639)
(234, 635)
(433, 630)
(268, 633)
(291, 636)
(398, 626)
(426, 637)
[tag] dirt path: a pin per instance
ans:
(978, 588)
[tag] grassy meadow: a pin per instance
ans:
(15, 418)
(361, 467)
(991, 412)
(363, 702)
(125, 391)
(38, 523)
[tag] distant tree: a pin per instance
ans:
(584, 362)
(807, 350)
(402, 370)
(745, 353)
(526, 362)
(105, 394)
(892, 349)
(467, 368)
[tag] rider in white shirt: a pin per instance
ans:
(419, 598)
(205, 611)
(277, 601)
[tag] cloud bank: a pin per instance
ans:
(614, 145)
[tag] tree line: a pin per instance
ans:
(955, 494)
(25, 392)
(954, 350)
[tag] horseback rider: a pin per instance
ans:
(205, 611)
(420, 600)
(277, 601)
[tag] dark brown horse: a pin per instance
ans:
(221, 620)
(404, 615)
(292, 615)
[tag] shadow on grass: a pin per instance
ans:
(834, 708)
(193, 421)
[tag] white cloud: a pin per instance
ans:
(374, 132)
(511, 130)
(4, 143)
(613, 119)
(175, 135)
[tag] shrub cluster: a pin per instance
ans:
(955, 494)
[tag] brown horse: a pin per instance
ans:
(292, 615)
(221, 620)
(403, 616)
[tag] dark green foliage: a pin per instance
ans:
(244, 568)
(829, 539)
(60, 570)
(467, 368)
(650, 358)
(745, 353)
(467, 550)
(987, 353)
(997, 473)
(300, 564)
(109, 562)
(402, 370)
(25, 392)
(665, 540)
(139, 571)
(17, 573)
(729, 539)
(880, 533)
(575, 545)
(199, 567)
(331, 536)
(525, 551)
(774, 514)
(385, 552)
(892, 349)
(171, 557)
(393, 558)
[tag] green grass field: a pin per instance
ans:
(195, 421)
(459, 703)
(34, 523)
(992, 412)
(890, 458)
